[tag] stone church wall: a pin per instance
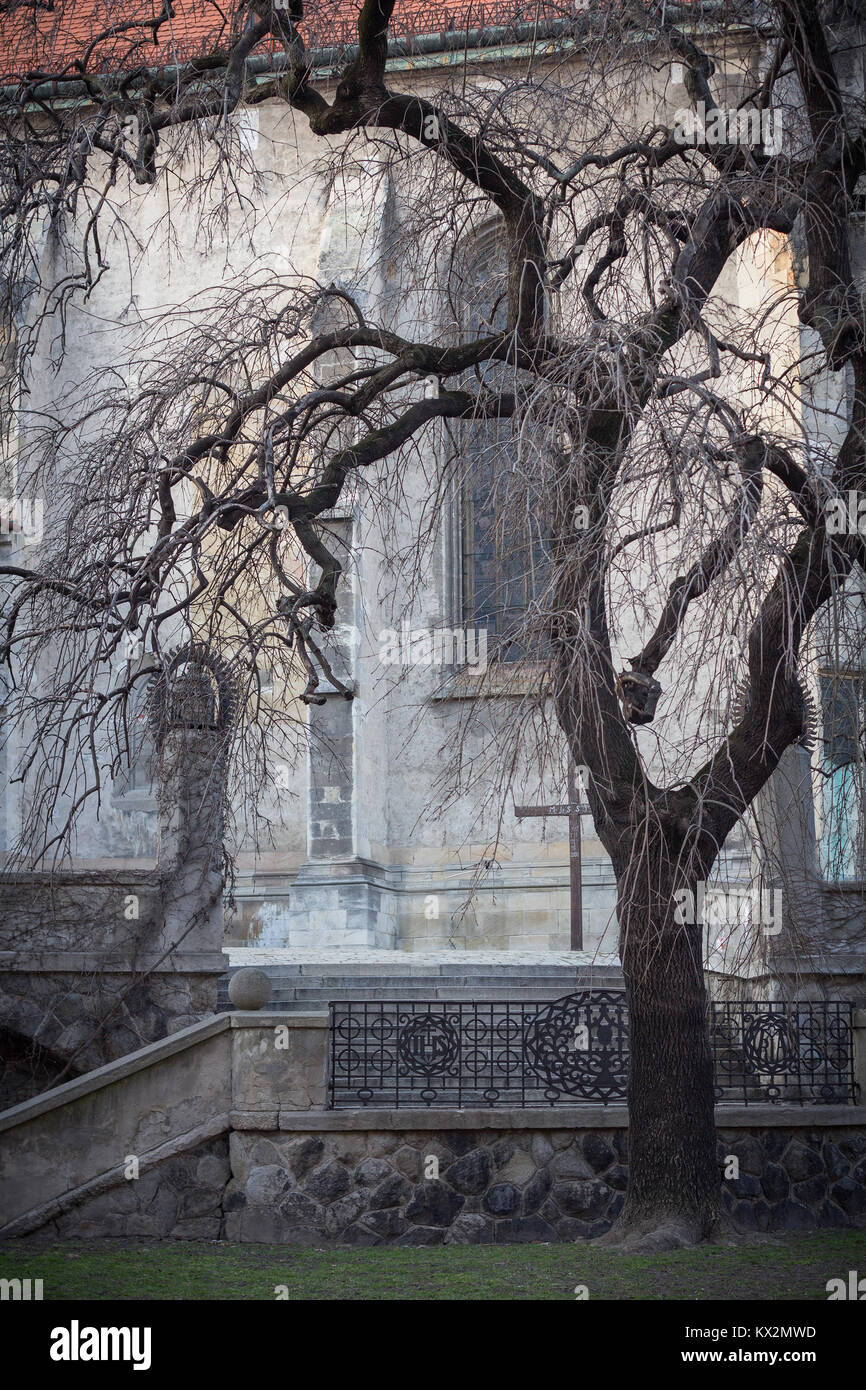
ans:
(496, 1186)
(361, 857)
(515, 1184)
(77, 978)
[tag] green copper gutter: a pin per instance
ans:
(448, 48)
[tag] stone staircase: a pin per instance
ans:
(311, 984)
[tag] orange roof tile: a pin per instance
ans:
(53, 35)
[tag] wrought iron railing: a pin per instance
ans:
(801, 1053)
(393, 1054)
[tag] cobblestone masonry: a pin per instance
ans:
(493, 1186)
(179, 1199)
(82, 984)
(70, 1017)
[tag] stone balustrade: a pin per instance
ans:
(222, 1130)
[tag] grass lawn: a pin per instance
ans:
(783, 1267)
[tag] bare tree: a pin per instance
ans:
(656, 423)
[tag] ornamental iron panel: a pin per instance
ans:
(800, 1053)
(194, 689)
(391, 1054)
(579, 1046)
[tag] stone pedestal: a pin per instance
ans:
(343, 902)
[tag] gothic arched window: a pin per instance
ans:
(504, 557)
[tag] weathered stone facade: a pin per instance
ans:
(514, 1186)
(180, 1199)
(74, 1027)
(81, 983)
(371, 1188)
(494, 1187)
(94, 965)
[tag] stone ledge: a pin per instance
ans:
(113, 961)
(274, 1018)
(256, 1119)
(82, 877)
(565, 1117)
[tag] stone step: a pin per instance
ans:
(282, 972)
(299, 987)
(340, 965)
(513, 988)
(485, 996)
(402, 972)
(440, 981)
(402, 969)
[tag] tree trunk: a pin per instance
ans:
(674, 1186)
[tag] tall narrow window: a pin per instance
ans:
(842, 776)
(9, 392)
(504, 546)
(136, 783)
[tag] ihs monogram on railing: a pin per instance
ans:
(574, 1050)
(778, 1052)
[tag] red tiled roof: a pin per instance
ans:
(51, 35)
(53, 39)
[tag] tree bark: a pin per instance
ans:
(674, 1186)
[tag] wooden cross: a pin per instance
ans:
(574, 809)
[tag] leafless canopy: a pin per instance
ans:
(202, 468)
(190, 484)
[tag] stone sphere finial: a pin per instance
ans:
(249, 989)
